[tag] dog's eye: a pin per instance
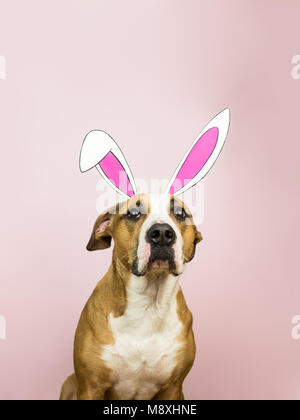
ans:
(179, 213)
(133, 214)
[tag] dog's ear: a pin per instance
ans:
(198, 237)
(101, 235)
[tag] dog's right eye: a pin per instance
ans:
(179, 213)
(133, 214)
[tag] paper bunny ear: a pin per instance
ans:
(99, 150)
(201, 155)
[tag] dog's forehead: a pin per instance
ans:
(155, 204)
(159, 203)
(139, 200)
(149, 203)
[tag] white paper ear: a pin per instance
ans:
(201, 155)
(99, 150)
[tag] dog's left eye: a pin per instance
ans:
(179, 213)
(133, 213)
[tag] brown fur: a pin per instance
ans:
(92, 377)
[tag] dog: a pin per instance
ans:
(134, 339)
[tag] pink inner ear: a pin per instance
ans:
(113, 169)
(196, 159)
(103, 226)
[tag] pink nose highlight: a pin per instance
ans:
(147, 252)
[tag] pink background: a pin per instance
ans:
(152, 73)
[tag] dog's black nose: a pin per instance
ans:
(161, 234)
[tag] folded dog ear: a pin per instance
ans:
(198, 237)
(201, 155)
(101, 235)
(99, 150)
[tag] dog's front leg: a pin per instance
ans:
(92, 386)
(89, 391)
(172, 392)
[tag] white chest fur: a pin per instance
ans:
(146, 338)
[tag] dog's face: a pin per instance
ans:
(152, 233)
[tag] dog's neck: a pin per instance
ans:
(154, 292)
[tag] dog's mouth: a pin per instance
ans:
(160, 265)
(161, 259)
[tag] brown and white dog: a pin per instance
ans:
(134, 339)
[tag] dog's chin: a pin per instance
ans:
(157, 265)
(160, 265)
(163, 267)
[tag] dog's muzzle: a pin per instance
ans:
(161, 238)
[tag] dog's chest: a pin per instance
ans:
(146, 345)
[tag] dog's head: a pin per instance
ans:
(152, 233)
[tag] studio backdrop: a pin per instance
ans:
(152, 74)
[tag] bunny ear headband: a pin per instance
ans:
(99, 150)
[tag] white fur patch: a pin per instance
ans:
(146, 338)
